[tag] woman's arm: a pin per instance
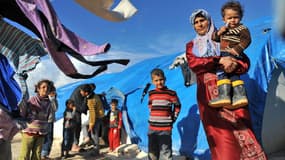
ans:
(209, 64)
(230, 65)
(201, 64)
(242, 65)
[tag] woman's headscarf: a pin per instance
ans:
(203, 44)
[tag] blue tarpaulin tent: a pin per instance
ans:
(266, 53)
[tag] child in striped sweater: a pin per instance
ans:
(164, 106)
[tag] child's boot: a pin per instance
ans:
(224, 89)
(239, 94)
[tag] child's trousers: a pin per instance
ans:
(114, 138)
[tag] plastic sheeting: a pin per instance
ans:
(188, 137)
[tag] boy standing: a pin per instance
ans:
(115, 125)
(234, 38)
(164, 106)
(68, 127)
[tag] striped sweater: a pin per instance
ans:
(237, 38)
(37, 109)
(20, 49)
(164, 108)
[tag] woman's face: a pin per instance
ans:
(43, 90)
(201, 25)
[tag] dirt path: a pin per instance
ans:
(126, 154)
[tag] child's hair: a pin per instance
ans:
(93, 86)
(52, 88)
(115, 101)
(68, 102)
(86, 88)
(234, 5)
(157, 72)
(48, 82)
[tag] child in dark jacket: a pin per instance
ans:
(68, 127)
(115, 125)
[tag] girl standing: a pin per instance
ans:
(37, 110)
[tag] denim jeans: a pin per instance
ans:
(95, 133)
(48, 140)
(76, 133)
(5, 148)
(67, 139)
(159, 145)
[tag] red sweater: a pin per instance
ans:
(164, 108)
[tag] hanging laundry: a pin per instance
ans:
(21, 50)
(40, 17)
(188, 75)
(10, 92)
(102, 8)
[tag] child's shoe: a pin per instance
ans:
(239, 94)
(224, 90)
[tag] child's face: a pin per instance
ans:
(83, 93)
(231, 17)
(113, 106)
(43, 90)
(70, 106)
(158, 81)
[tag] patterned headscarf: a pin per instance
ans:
(203, 44)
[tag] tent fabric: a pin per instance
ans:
(188, 136)
(274, 111)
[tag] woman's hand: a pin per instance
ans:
(232, 51)
(229, 64)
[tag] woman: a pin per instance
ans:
(37, 109)
(228, 132)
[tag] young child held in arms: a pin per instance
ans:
(115, 125)
(234, 38)
(68, 127)
(164, 106)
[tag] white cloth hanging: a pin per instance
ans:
(102, 8)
